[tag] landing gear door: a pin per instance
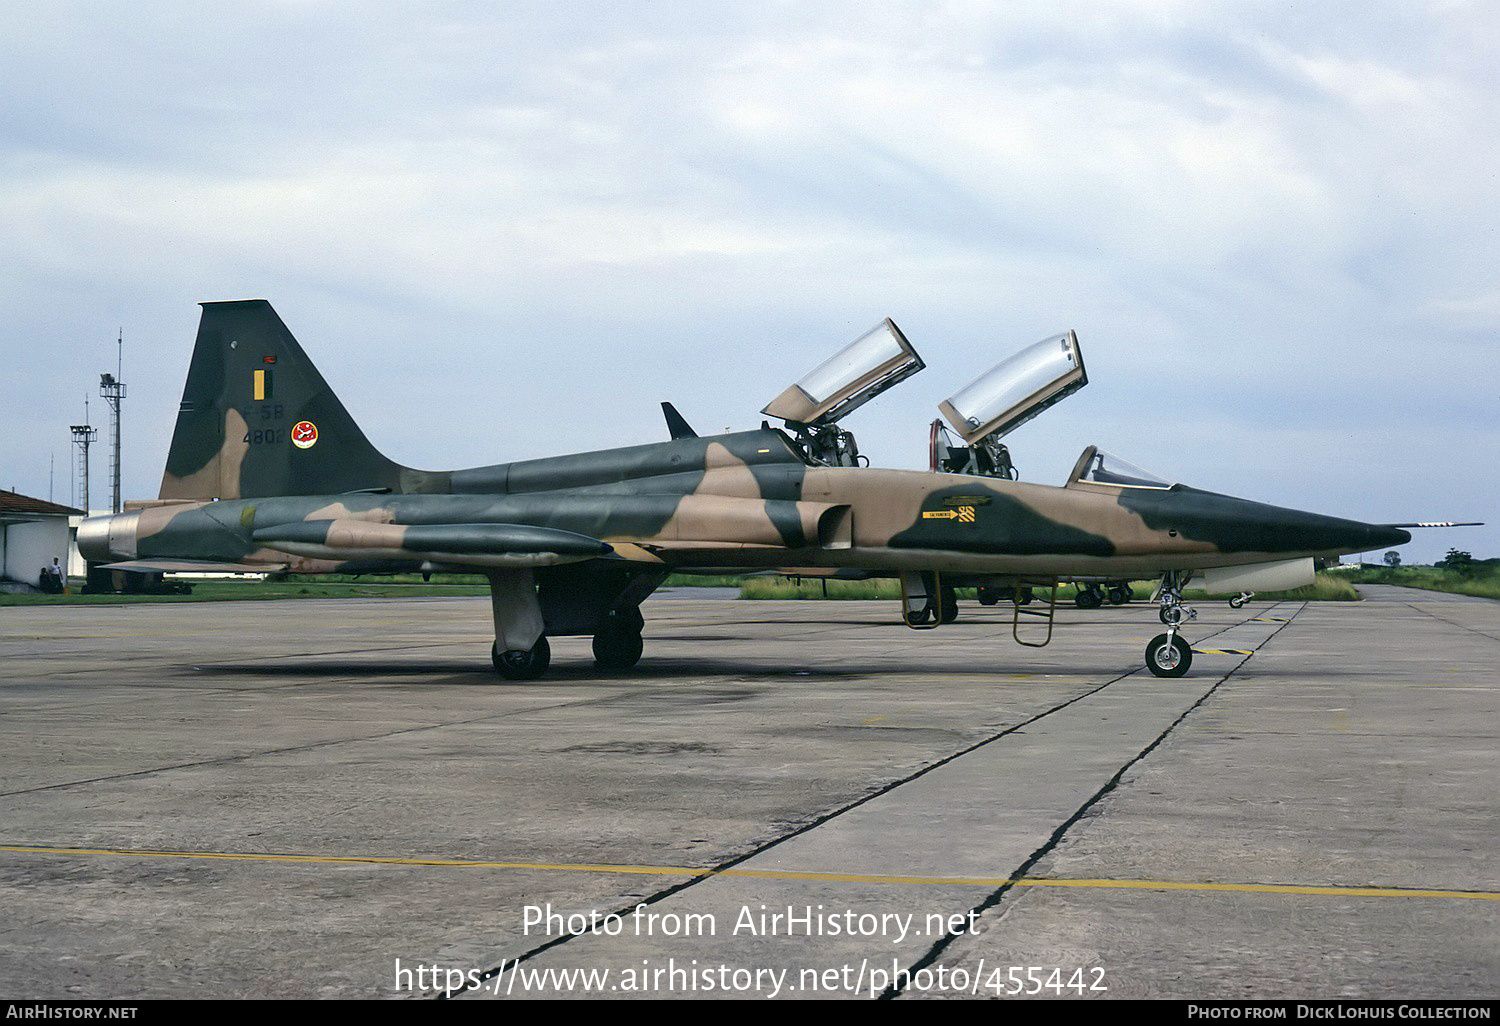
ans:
(869, 365)
(1012, 392)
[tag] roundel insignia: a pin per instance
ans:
(304, 434)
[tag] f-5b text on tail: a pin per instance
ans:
(267, 469)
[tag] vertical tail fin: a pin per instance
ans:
(257, 418)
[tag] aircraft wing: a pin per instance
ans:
(484, 545)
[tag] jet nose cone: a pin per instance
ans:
(1241, 525)
(1388, 537)
(1331, 534)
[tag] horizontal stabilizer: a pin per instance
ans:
(481, 545)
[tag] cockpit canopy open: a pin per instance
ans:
(1001, 400)
(872, 363)
(1017, 389)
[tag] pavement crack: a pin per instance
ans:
(710, 872)
(1452, 623)
(995, 897)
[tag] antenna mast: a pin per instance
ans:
(113, 391)
(83, 437)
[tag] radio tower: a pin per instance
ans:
(113, 391)
(83, 437)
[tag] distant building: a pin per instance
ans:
(33, 532)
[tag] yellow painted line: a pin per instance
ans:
(770, 874)
(376, 860)
(1225, 651)
(1342, 892)
(1270, 619)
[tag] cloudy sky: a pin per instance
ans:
(509, 230)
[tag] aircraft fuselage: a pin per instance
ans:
(746, 500)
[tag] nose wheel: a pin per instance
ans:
(1168, 655)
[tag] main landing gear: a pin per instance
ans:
(926, 601)
(989, 595)
(522, 664)
(609, 610)
(618, 643)
(1095, 594)
(617, 646)
(520, 651)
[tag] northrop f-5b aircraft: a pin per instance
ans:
(268, 471)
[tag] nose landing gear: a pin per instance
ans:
(1169, 594)
(1168, 655)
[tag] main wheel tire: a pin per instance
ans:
(1088, 598)
(988, 596)
(522, 664)
(618, 643)
(632, 616)
(947, 604)
(1119, 596)
(1168, 655)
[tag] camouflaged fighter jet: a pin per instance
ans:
(268, 471)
